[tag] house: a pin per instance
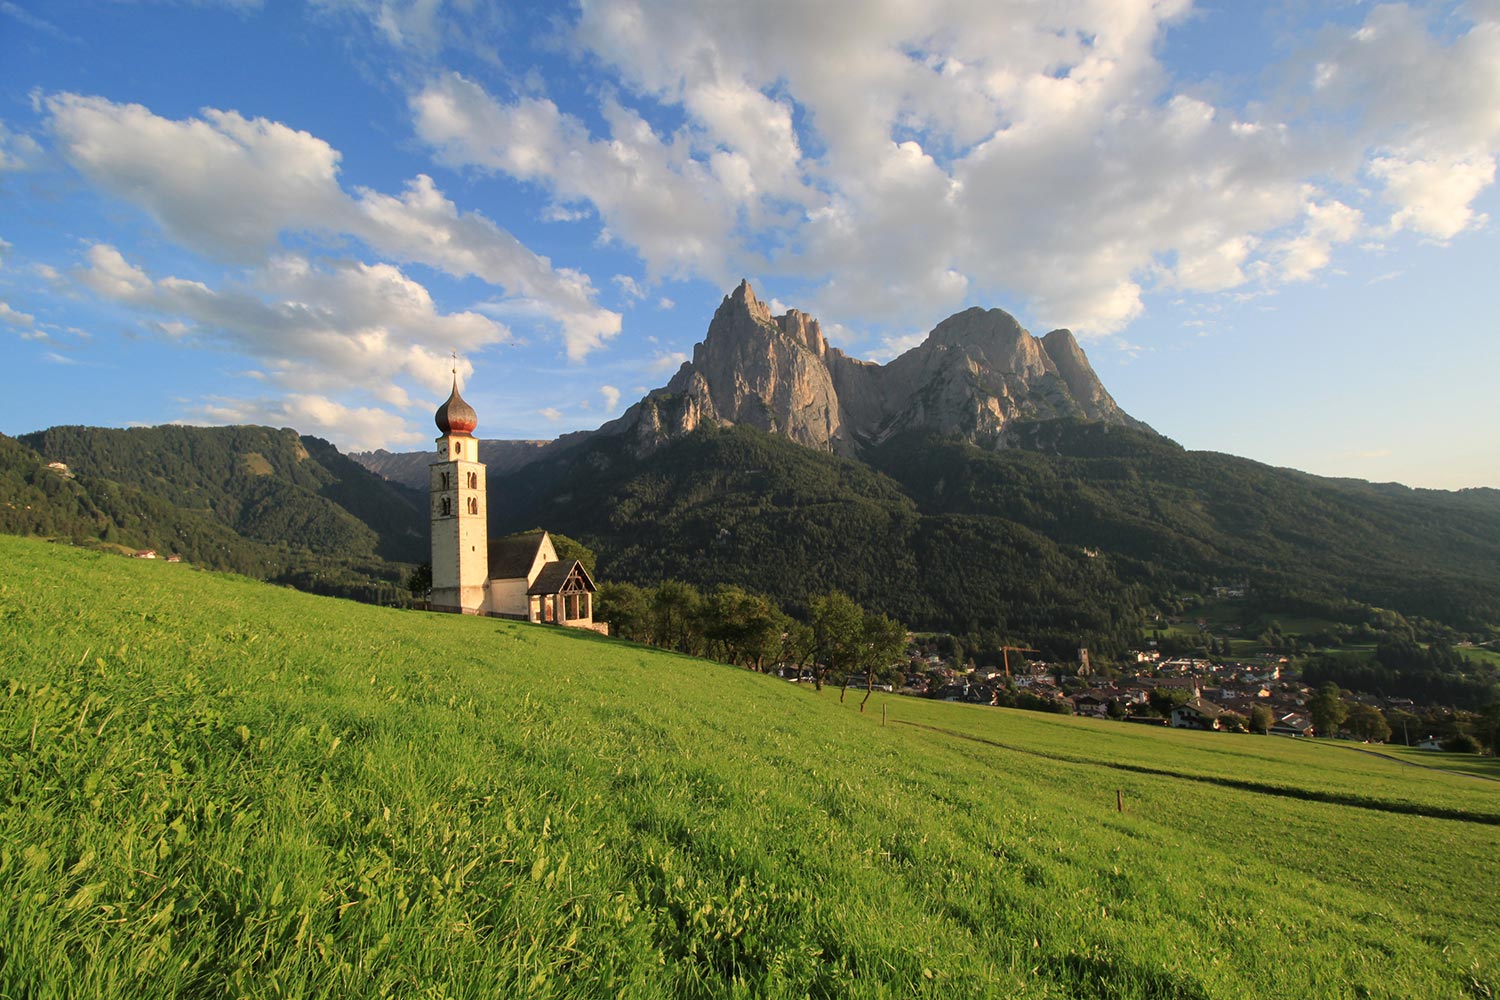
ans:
(1197, 714)
(174, 558)
(520, 576)
(1292, 724)
(144, 554)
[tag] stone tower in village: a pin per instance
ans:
(460, 538)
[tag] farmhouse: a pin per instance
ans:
(517, 577)
(1197, 714)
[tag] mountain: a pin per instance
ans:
(982, 482)
(976, 375)
(267, 503)
(410, 468)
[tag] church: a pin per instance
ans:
(519, 577)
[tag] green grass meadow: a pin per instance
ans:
(217, 788)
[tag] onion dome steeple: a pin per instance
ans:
(456, 416)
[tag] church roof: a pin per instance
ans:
(514, 555)
(553, 575)
(456, 416)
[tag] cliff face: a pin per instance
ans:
(976, 372)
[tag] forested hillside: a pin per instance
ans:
(258, 501)
(1064, 541)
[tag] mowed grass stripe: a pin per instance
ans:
(214, 787)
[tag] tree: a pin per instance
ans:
(741, 624)
(798, 645)
(1166, 699)
(1261, 719)
(1366, 722)
(1328, 710)
(883, 639)
(627, 609)
(838, 627)
(673, 608)
(1487, 727)
(420, 581)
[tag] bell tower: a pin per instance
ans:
(460, 536)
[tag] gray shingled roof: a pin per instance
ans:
(553, 575)
(512, 556)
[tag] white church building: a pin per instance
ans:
(519, 576)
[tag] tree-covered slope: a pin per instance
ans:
(253, 500)
(1062, 540)
(268, 485)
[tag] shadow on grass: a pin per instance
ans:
(1262, 788)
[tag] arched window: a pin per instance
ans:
(473, 506)
(473, 480)
(447, 506)
(445, 481)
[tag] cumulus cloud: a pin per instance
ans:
(232, 187)
(353, 428)
(14, 317)
(611, 396)
(908, 157)
(315, 327)
(17, 151)
(551, 413)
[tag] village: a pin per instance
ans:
(1261, 696)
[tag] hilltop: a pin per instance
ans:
(222, 786)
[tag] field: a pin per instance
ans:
(218, 788)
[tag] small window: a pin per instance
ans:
(445, 481)
(473, 506)
(447, 506)
(473, 480)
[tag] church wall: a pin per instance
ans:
(508, 597)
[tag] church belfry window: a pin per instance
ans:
(447, 506)
(473, 480)
(473, 505)
(445, 481)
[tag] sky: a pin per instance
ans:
(1272, 225)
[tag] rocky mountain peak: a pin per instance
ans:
(977, 372)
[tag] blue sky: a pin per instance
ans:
(1271, 225)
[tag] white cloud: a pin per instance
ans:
(611, 397)
(665, 304)
(551, 413)
(16, 318)
(358, 428)
(666, 361)
(17, 151)
(233, 187)
(629, 287)
(650, 192)
(909, 157)
(315, 327)
(1434, 197)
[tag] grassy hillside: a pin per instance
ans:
(215, 787)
